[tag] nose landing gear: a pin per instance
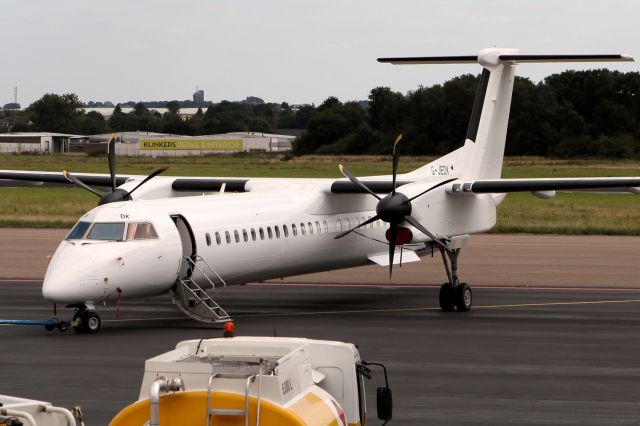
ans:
(86, 320)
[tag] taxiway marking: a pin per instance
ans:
(389, 310)
(367, 311)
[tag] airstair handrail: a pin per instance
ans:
(199, 258)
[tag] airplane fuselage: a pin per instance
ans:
(244, 237)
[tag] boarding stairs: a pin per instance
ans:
(192, 298)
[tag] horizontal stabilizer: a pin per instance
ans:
(417, 60)
(566, 58)
(516, 59)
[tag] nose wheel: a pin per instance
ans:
(86, 320)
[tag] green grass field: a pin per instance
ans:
(520, 212)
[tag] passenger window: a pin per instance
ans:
(339, 225)
(106, 231)
(294, 230)
(326, 226)
(245, 236)
(347, 224)
(207, 237)
(218, 240)
(227, 237)
(310, 228)
(236, 235)
(302, 230)
(269, 233)
(318, 230)
(277, 229)
(78, 231)
(141, 231)
(253, 234)
(261, 233)
(286, 231)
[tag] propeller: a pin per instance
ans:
(394, 209)
(116, 194)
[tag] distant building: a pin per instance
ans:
(45, 143)
(12, 105)
(198, 98)
(141, 144)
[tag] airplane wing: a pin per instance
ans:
(13, 178)
(377, 186)
(499, 186)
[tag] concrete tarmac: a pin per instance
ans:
(525, 354)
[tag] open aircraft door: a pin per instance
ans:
(188, 242)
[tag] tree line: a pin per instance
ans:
(592, 113)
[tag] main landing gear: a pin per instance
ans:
(454, 295)
(86, 319)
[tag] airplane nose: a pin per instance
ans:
(63, 280)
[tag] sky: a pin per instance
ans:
(296, 51)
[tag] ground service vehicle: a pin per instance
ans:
(255, 381)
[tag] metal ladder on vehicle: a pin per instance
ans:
(193, 300)
(233, 411)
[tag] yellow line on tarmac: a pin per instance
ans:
(592, 302)
(367, 311)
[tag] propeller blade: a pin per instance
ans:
(425, 231)
(396, 159)
(111, 154)
(393, 234)
(79, 183)
(148, 178)
(444, 182)
(355, 180)
(366, 222)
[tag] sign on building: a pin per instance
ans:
(192, 144)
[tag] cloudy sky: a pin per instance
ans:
(298, 51)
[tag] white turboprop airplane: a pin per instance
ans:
(185, 236)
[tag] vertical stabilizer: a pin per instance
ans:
(487, 131)
(483, 152)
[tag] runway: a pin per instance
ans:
(550, 340)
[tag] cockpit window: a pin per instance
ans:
(141, 231)
(106, 231)
(78, 231)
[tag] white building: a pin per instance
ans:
(45, 143)
(160, 145)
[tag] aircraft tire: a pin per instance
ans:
(91, 322)
(463, 297)
(446, 298)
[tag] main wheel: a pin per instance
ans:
(446, 298)
(463, 297)
(62, 326)
(85, 321)
(91, 322)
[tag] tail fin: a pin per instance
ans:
(483, 152)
